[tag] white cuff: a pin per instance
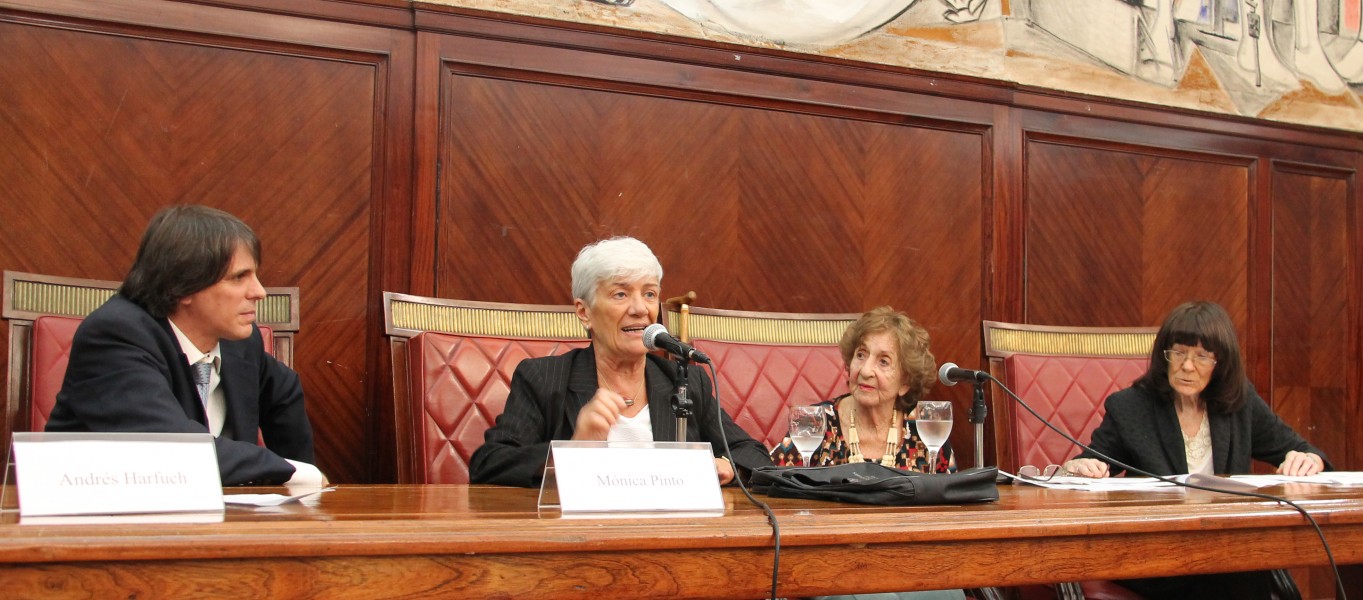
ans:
(305, 474)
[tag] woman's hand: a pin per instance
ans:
(1301, 464)
(1086, 467)
(725, 469)
(595, 419)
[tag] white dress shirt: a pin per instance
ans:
(215, 405)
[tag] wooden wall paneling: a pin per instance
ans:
(394, 248)
(1314, 270)
(1005, 267)
(1117, 234)
(387, 13)
(1310, 351)
(430, 72)
(932, 90)
(290, 124)
(756, 205)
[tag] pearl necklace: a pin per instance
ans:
(854, 441)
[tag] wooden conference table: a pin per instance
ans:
(382, 541)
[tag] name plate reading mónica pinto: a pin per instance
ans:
(658, 478)
(70, 474)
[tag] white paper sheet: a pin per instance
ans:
(1240, 482)
(269, 499)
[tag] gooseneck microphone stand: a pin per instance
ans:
(978, 412)
(681, 399)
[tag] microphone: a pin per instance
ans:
(949, 374)
(656, 337)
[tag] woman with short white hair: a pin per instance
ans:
(613, 389)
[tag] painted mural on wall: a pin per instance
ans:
(1298, 61)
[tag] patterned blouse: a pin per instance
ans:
(833, 450)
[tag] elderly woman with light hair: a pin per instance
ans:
(889, 368)
(612, 390)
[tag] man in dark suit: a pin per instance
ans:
(177, 351)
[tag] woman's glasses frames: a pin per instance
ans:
(1176, 358)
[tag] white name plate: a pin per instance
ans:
(62, 474)
(636, 477)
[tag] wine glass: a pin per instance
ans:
(806, 430)
(934, 426)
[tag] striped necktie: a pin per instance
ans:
(203, 372)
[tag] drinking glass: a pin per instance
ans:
(806, 430)
(934, 426)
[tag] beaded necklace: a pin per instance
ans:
(854, 441)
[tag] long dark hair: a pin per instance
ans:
(184, 249)
(1205, 323)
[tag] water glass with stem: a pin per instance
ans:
(806, 430)
(934, 427)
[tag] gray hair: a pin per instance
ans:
(617, 257)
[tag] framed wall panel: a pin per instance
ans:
(1315, 274)
(1117, 235)
(284, 122)
(754, 204)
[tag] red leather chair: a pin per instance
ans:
(51, 350)
(1069, 392)
(43, 312)
(452, 367)
(758, 381)
(1065, 374)
(768, 361)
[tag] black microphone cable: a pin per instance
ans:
(1339, 584)
(728, 453)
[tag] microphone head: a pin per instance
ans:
(651, 334)
(941, 373)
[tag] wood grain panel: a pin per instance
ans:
(753, 208)
(104, 127)
(1314, 268)
(1117, 236)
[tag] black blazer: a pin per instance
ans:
(547, 394)
(127, 372)
(1142, 430)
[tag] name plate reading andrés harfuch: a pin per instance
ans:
(636, 477)
(67, 474)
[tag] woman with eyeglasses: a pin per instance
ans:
(1194, 411)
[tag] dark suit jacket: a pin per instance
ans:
(546, 395)
(1142, 430)
(128, 373)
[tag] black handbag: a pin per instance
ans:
(873, 483)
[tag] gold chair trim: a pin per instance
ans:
(766, 331)
(275, 308)
(1071, 344)
(57, 299)
(478, 321)
(47, 298)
